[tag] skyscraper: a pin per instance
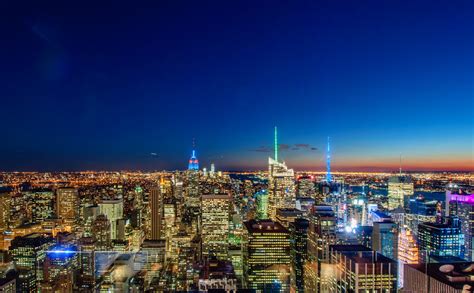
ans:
(281, 184)
(266, 256)
(385, 239)
(299, 251)
(407, 252)
(101, 233)
(215, 209)
(359, 269)
(321, 234)
(5, 209)
(400, 188)
(461, 204)
(28, 253)
(156, 208)
(193, 161)
(261, 199)
(113, 209)
(67, 204)
(440, 239)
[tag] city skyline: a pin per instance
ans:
(131, 90)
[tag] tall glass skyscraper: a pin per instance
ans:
(444, 239)
(266, 256)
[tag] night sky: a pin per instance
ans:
(111, 85)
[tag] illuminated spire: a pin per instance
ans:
(276, 144)
(328, 163)
(193, 161)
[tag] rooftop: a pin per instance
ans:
(456, 274)
(264, 226)
(360, 254)
(400, 179)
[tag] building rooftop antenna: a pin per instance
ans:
(400, 164)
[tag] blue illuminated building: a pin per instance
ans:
(193, 162)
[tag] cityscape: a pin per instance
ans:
(259, 146)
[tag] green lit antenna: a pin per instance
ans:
(276, 144)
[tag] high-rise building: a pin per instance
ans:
(156, 210)
(321, 234)
(400, 188)
(215, 209)
(101, 233)
(299, 251)
(113, 209)
(67, 204)
(153, 252)
(28, 254)
(86, 247)
(266, 256)
(281, 187)
(59, 267)
(281, 184)
(453, 277)
(5, 210)
(385, 239)
(193, 162)
(359, 269)
(305, 186)
(261, 199)
(288, 215)
(41, 202)
(461, 204)
(440, 239)
(407, 252)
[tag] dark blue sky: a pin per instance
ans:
(101, 85)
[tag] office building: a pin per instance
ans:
(5, 210)
(288, 215)
(261, 199)
(67, 204)
(281, 187)
(400, 188)
(41, 202)
(156, 210)
(266, 256)
(101, 233)
(113, 209)
(440, 239)
(461, 204)
(281, 184)
(322, 232)
(385, 239)
(305, 186)
(454, 277)
(299, 252)
(407, 252)
(215, 209)
(359, 269)
(28, 254)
